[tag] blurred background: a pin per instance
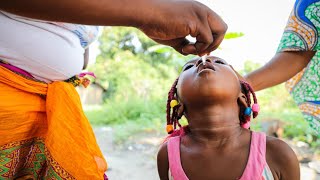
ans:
(126, 103)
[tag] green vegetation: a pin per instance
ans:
(138, 73)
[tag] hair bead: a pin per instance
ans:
(247, 111)
(169, 128)
(255, 108)
(173, 103)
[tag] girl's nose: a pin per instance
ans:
(200, 61)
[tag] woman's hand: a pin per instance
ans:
(172, 20)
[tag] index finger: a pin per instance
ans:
(218, 28)
(204, 38)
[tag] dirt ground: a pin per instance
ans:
(136, 158)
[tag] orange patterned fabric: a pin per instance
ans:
(294, 80)
(52, 112)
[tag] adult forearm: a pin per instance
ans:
(281, 68)
(91, 12)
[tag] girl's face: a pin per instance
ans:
(210, 83)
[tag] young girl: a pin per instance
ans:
(217, 142)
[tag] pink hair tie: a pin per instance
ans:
(246, 125)
(255, 108)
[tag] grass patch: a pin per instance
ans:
(128, 118)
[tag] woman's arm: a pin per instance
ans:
(165, 21)
(281, 68)
(163, 163)
(94, 12)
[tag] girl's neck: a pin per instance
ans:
(218, 138)
(215, 124)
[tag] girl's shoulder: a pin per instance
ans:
(277, 147)
(163, 156)
(163, 151)
(280, 157)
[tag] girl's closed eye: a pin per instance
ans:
(187, 67)
(219, 62)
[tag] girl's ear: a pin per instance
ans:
(181, 110)
(242, 100)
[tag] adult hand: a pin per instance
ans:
(172, 20)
